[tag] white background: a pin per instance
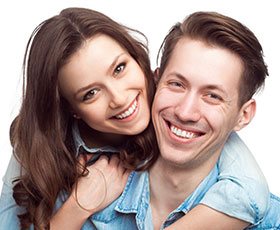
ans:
(19, 18)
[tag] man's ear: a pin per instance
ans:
(156, 75)
(246, 114)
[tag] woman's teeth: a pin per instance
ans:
(183, 133)
(128, 112)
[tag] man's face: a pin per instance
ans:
(196, 103)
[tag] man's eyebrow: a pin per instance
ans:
(209, 86)
(216, 87)
(178, 75)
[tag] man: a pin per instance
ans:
(211, 66)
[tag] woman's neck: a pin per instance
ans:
(94, 138)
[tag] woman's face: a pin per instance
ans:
(106, 87)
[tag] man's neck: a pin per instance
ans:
(170, 185)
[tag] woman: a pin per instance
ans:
(88, 93)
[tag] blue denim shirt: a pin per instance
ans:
(235, 191)
(132, 209)
(239, 175)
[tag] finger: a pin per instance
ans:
(89, 156)
(114, 160)
(81, 162)
(127, 172)
(125, 177)
(121, 170)
(103, 160)
(82, 159)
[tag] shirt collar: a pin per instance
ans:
(136, 193)
(80, 145)
(136, 198)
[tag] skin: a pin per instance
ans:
(106, 88)
(197, 95)
(195, 109)
(108, 81)
(71, 215)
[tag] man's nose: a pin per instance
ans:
(188, 108)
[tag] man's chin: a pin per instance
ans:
(178, 160)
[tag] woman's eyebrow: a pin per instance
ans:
(112, 65)
(114, 62)
(89, 86)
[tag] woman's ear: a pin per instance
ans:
(76, 116)
(156, 75)
(246, 114)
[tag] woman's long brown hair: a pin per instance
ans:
(41, 133)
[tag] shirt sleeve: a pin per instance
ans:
(8, 207)
(241, 190)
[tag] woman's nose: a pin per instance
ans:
(118, 98)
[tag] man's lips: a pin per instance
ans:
(186, 133)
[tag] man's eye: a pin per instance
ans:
(119, 68)
(213, 98)
(175, 84)
(90, 94)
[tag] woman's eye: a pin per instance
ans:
(119, 69)
(90, 94)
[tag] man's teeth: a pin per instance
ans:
(183, 133)
(128, 112)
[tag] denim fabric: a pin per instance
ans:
(80, 145)
(239, 179)
(129, 211)
(234, 159)
(132, 210)
(272, 219)
(8, 207)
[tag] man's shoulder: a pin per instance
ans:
(272, 217)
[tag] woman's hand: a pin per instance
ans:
(103, 184)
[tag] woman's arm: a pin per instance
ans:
(240, 196)
(203, 217)
(104, 183)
